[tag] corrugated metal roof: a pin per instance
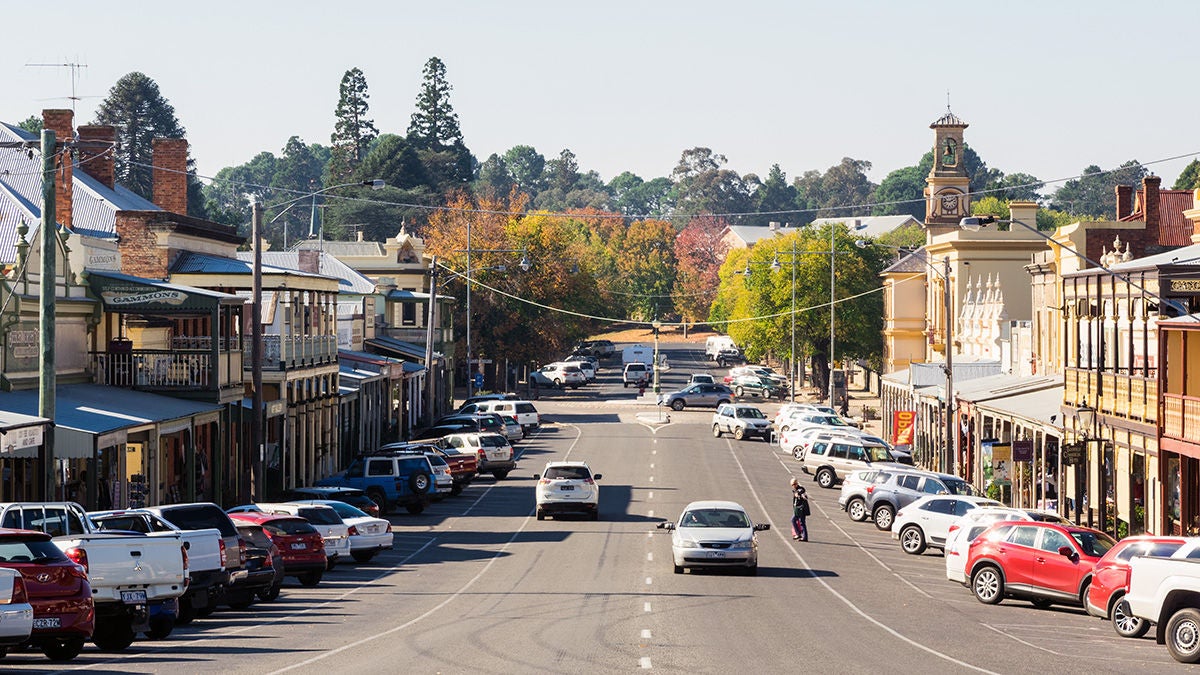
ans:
(349, 280)
(751, 234)
(93, 204)
(1034, 406)
(190, 262)
(913, 263)
(1174, 229)
(870, 226)
(339, 249)
(97, 409)
(398, 347)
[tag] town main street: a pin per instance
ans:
(477, 585)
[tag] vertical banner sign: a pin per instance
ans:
(1002, 456)
(1022, 451)
(903, 423)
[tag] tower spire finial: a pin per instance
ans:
(947, 100)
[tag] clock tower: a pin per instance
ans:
(947, 196)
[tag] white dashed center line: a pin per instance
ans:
(650, 514)
(650, 495)
(649, 581)
(644, 662)
(650, 557)
(646, 607)
(646, 634)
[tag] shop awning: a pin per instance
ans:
(91, 416)
(1034, 406)
(21, 435)
(123, 293)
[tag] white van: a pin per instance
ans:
(635, 372)
(714, 344)
(638, 354)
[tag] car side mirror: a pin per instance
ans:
(1066, 551)
(597, 476)
(666, 525)
(762, 526)
(537, 476)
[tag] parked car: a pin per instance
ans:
(390, 481)
(563, 375)
(926, 522)
(463, 466)
(584, 365)
(602, 349)
(523, 411)
(905, 487)
(368, 535)
(742, 420)
(271, 559)
(57, 588)
(696, 395)
(352, 496)
(1044, 563)
(493, 451)
(1110, 581)
(715, 344)
(714, 534)
(756, 369)
(126, 598)
(856, 487)
(16, 613)
(701, 378)
(437, 431)
(729, 357)
(231, 552)
(567, 487)
(1166, 591)
(481, 422)
(967, 527)
(802, 419)
(635, 373)
(828, 462)
(208, 578)
(300, 545)
(335, 534)
(758, 386)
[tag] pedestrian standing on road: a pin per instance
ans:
(800, 511)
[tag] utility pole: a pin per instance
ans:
(47, 381)
(951, 450)
(256, 360)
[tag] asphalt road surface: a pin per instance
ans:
(477, 585)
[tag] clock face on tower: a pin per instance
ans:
(950, 204)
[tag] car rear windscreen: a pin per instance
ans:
(200, 517)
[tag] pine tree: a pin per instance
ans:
(140, 114)
(434, 125)
(353, 131)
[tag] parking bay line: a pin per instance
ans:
(846, 601)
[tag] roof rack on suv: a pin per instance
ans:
(399, 449)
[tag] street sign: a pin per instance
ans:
(1022, 451)
(478, 377)
(1073, 453)
(477, 361)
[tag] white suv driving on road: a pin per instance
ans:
(741, 420)
(565, 487)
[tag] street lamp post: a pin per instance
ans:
(1085, 418)
(656, 324)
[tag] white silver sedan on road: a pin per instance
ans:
(714, 534)
(368, 535)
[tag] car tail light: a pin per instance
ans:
(78, 556)
(589, 481)
(352, 531)
(224, 557)
(184, 555)
(952, 530)
(241, 551)
(544, 481)
(482, 455)
(389, 528)
(270, 561)
(20, 596)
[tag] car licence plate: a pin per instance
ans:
(299, 547)
(716, 554)
(565, 488)
(50, 622)
(133, 597)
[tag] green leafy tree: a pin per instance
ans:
(378, 213)
(434, 131)
(646, 268)
(634, 197)
(843, 190)
(703, 186)
(32, 124)
(140, 113)
(494, 177)
(1093, 194)
(525, 166)
(298, 170)
(776, 200)
(1189, 178)
(233, 189)
(901, 192)
(353, 131)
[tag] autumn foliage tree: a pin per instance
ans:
(699, 250)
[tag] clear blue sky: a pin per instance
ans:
(1047, 87)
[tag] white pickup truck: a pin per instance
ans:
(1167, 592)
(136, 580)
(206, 554)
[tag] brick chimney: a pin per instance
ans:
(141, 256)
(1124, 201)
(62, 123)
(310, 261)
(94, 159)
(170, 174)
(1150, 185)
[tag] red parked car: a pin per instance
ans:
(300, 545)
(1044, 563)
(1110, 582)
(63, 613)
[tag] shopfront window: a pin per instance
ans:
(1172, 494)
